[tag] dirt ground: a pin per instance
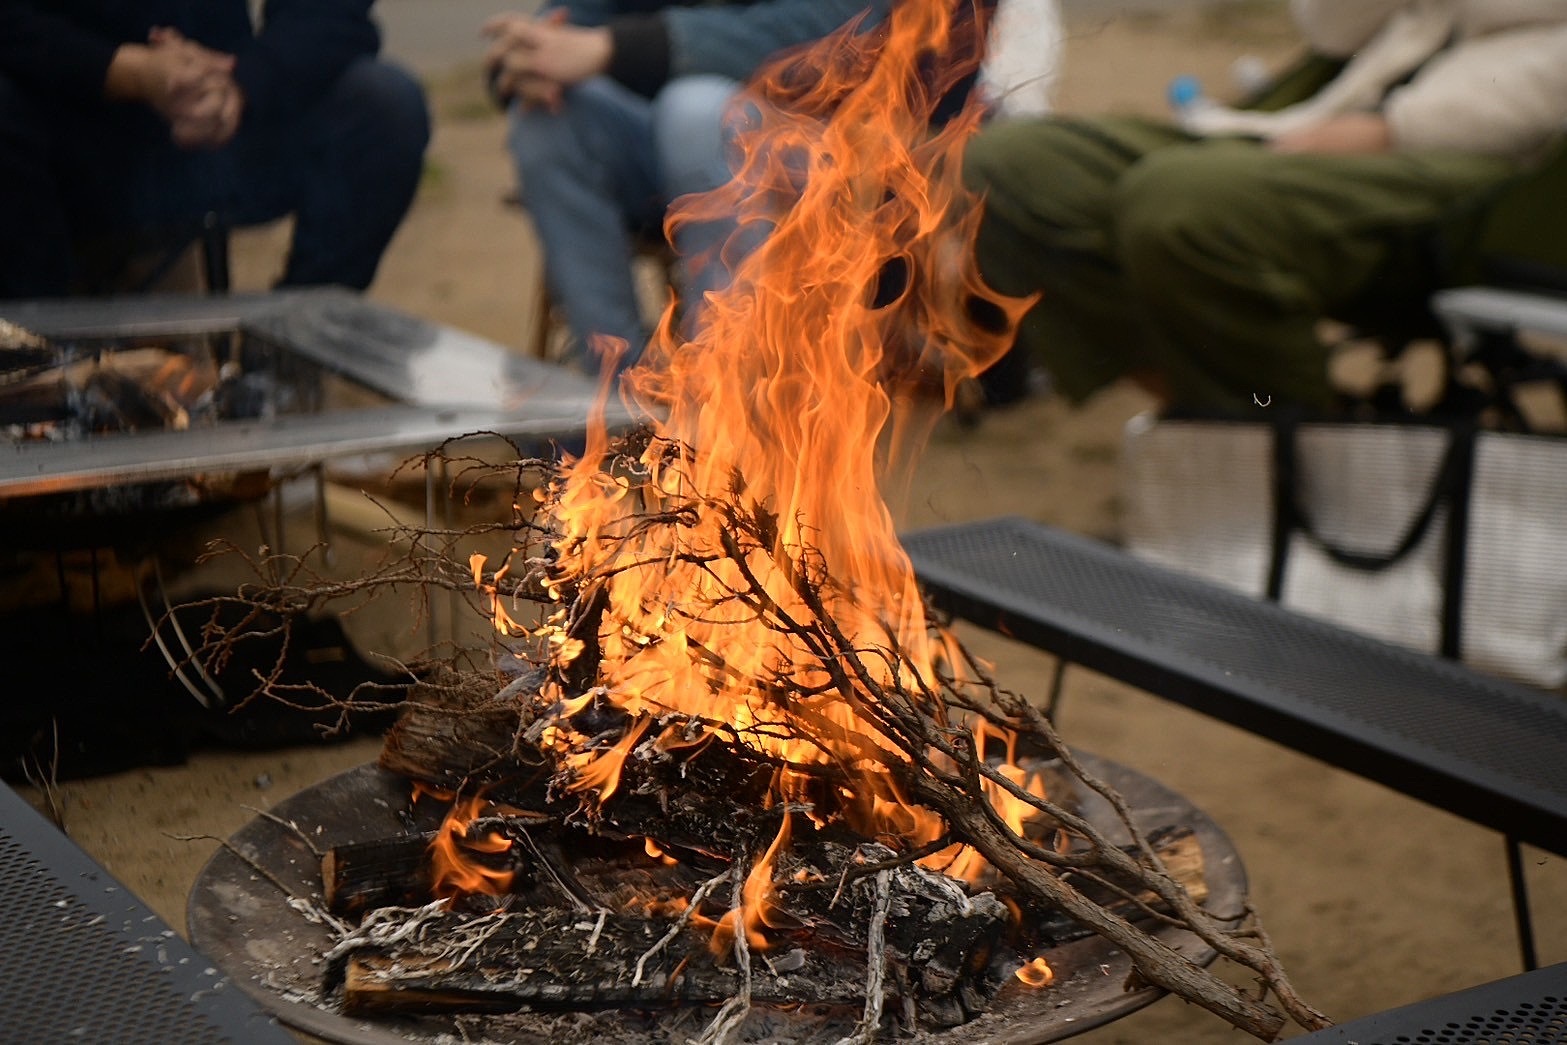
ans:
(1372, 900)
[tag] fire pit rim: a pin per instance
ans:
(226, 891)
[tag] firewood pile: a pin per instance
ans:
(624, 907)
(68, 391)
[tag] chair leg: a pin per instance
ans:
(544, 322)
(1053, 701)
(215, 252)
(184, 662)
(1520, 890)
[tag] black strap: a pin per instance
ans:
(1455, 563)
(1285, 515)
(1291, 517)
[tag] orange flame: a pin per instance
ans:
(963, 861)
(452, 872)
(756, 901)
(796, 395)
(600, 772)
(1037, 973)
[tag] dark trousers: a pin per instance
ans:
(346, 170)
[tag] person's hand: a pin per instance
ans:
(535, 59)
(204, 104)
(192, 87)
(211, 119)
(1351, 133)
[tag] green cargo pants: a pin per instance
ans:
(1205, 262)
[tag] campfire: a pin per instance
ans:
(720, 765)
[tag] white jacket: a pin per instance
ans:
(1486, 76)
(1500, 87)
(1022, 57)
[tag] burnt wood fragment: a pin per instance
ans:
(564, 960)
(939, 934)
(386, 872)
(453, 733)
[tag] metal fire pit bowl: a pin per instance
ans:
(238, 914)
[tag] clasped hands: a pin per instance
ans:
(192, 87)
(534, 60)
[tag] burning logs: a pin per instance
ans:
(707, 805)
(849, 792)
(246, 906)
(591, 911)
(57, 392)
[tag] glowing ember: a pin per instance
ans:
(1037, 973)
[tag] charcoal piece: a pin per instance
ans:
(941, 936)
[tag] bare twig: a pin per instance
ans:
(679, 924)
(875, 963)
(734, 1011)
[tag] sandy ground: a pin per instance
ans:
(1373, 900)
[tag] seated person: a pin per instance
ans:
(144, 115)
(617, 108)
(1198, 256)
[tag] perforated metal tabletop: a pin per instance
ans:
(1480, 747)
(81, 959)
(1529, 1009)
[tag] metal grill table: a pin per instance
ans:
(1530, 1009)
(83, 960)
(436, 382)
(1485, 749)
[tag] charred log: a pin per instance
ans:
(565, 960)
(458, 732)
(397, 871)
(936, 932)
(387, 872)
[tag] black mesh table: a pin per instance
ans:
(1530, 1009)
(83, 960)
(1488, 750)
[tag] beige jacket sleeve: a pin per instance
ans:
(1504, 94)
(1339, 28)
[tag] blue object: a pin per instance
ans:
(1183, 91)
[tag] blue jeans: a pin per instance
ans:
(346, 169)
(600, 173)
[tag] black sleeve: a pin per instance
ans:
(45, 53)
(302, 48)
(640, 55)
